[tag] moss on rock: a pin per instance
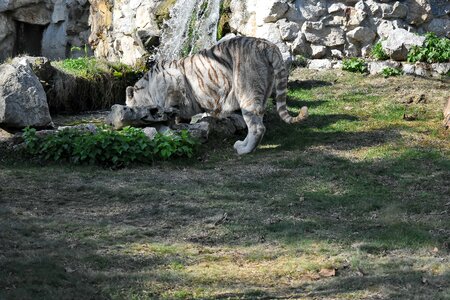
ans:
(163, 11)
(223, 27)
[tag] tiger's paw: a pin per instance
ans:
(241, 147)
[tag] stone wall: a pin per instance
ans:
(330, 28)
(125, 30)
(55, 25)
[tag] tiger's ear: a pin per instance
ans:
(129, 96)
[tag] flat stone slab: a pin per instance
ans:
(139, 116)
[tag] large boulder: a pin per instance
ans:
(22, 98)
(399, 42)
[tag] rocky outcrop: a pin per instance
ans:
(23, 101)
(46, 27)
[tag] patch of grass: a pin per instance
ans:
(356, 190)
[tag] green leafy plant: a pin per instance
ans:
(354, 64)
(434, 50)
(378, 52)
(389, 72)
(108, 147)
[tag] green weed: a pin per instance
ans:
(389, 72)
(434, 50)
(108, 147)
(354, 64)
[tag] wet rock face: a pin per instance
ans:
(57, 26)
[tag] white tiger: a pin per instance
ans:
(237, 74)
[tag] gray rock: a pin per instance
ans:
(276, 12)
(317, 33)
(362, 35)
(5, 136)
(150, 132)
(336, 7)
(14, 4)
(356, 16)
(138, 116)
(41, 66)
(54, 41)
(337, 54)
(312, 10)
(38, 14)
(352, 50)
(7, 36)
(89, 127)
(320, 64)
(409, 69)
(200, 130)
(318, 51)
(300, 46)
(419, 11)
(386, 26)
(400, 42)
(288, 30)
(23, 101)
(423, 69)
(440, 26)
(440, 68)
(395, 11)
(377, 67)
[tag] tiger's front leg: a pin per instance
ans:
(256, 130)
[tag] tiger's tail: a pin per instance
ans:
(281, 81)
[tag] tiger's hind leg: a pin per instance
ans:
(256, 130)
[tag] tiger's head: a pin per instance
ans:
(163, 88)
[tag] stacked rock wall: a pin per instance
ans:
(313, 28)
(59, 24)
(337, 28)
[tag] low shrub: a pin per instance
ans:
(434, 50)
(354, 64)
(389, 72)
(108, 147)
(378, 52)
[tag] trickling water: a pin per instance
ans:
(192, 26)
